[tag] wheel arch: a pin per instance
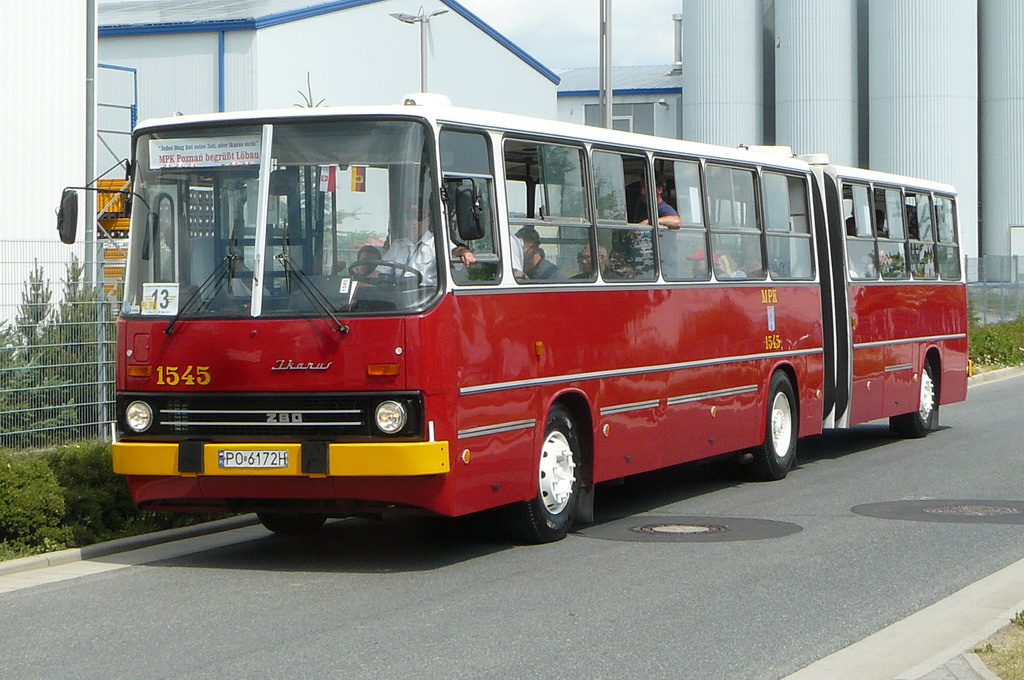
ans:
(933, 357)
(578, 406)
(790, 372)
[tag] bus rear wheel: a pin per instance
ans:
(919, 423)
(549, 515)
(291, 524)
(774, 458)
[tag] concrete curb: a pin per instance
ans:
(998, 374)
(124, 544)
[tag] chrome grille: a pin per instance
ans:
(331, 416)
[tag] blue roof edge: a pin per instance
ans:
(622, 91)
(505, 42)
(120, 30)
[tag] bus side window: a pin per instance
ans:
(860, 243)
(892, 245)
(947, 251)
(919, 226)
(466, 166)
(787, 229)
(735, 227)
(624, 212)
(547, 212)
(683, 250)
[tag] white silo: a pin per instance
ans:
(816, 77)
(722, 78)
(1002, 126)
(923, 96)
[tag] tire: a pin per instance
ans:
(776, 455)
(549, 515)
(919, 423)
(292, 525)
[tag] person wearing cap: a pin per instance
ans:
(535, 266)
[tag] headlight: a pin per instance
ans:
(139, 416)
(391, 417)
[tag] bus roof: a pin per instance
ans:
(893, 179)
(440, 114)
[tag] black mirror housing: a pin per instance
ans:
(67, 216)
(467, 211)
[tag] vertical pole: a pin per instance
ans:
(605, 96)
(423, 52)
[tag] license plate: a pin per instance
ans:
(265, 458)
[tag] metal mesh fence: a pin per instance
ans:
(56, 347)
(995, 288)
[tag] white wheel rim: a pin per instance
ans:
(782, 425)
(927, 396)
(557, 472)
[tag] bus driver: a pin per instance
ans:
(418, 254)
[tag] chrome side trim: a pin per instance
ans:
(236, 423)
(899, 367)
(498, 427)
(622, 372)
(633, 406)
(905, 341)
(702, 396)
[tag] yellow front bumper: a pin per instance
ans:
(400, 459)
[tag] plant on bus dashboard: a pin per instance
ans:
(50, 345)
(307, 96)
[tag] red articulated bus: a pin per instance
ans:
(332, 312)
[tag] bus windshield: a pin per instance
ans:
(350, 211)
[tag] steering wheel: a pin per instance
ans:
(368, 266)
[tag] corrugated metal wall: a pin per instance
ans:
(722, 76)
(816, 77)
(1002, 124)
(923, 85)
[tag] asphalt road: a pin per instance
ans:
(436, 598)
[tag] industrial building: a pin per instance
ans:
(928, 88)
(207, 56)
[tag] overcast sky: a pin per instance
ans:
(564, 33)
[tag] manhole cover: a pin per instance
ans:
(953, 511)
(680, 528)
(973, 510)
(649, 529)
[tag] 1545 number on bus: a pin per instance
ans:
(182, 375)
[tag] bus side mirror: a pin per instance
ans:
(67, 216)
(152, 227)
(468, 210)
(284, 181)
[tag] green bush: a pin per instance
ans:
(67, 497)
(998, 344)
(31, 505)
(97, 504)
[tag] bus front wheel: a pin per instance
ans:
(926, 418)
(549, 515)
(774, 458)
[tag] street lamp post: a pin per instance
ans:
(422, 19)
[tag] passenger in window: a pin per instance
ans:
(699, 262)
(621, 265)
(726, 268)
(366, 262)
(880, 228)
(535, 266)
(667, 215)
(587, 265)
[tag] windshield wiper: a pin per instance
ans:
(311, 292)
(212, 282)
